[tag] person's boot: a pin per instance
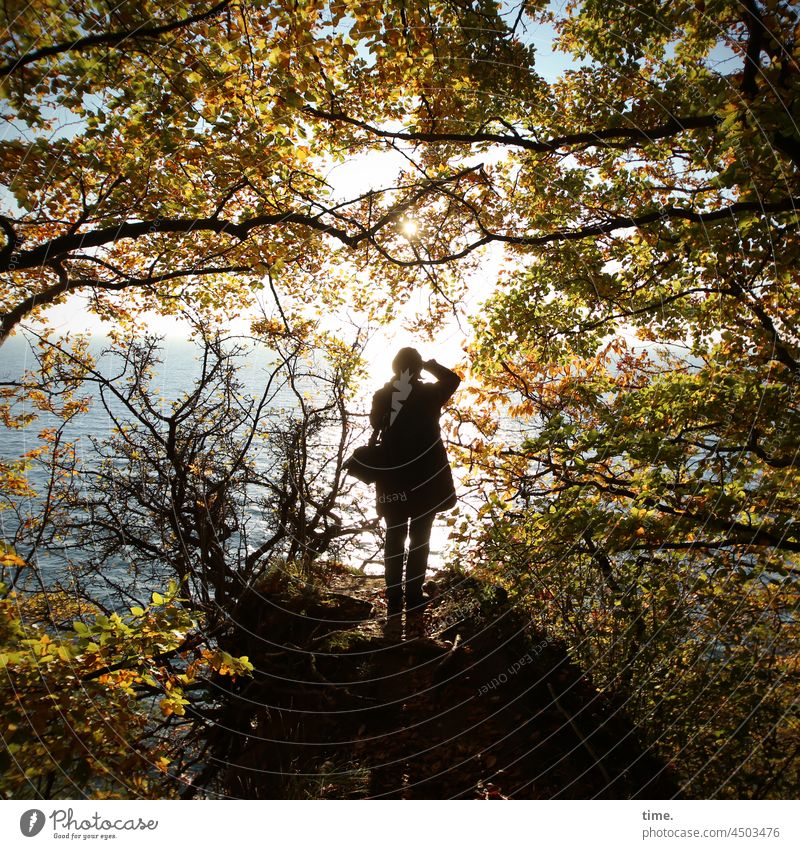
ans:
(393, 627)
(415, 624)
(393, 624)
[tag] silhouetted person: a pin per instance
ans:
(419, 482)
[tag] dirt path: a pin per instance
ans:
(462, 705)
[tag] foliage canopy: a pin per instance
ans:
(642, 337)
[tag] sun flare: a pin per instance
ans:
(409, 227)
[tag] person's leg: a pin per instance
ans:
(419, 546)
(393, 562)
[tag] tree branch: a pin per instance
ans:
(751, 534)
(10, 233)
(602, 228)
(113, 39)
(60, 245)
(608, 137)
(51, 251)
(782, 353)
(49, 295)
(755, 43)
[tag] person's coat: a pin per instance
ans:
(418, 481)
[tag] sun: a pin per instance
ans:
(409, 227)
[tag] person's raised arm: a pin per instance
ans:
(447, 380)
